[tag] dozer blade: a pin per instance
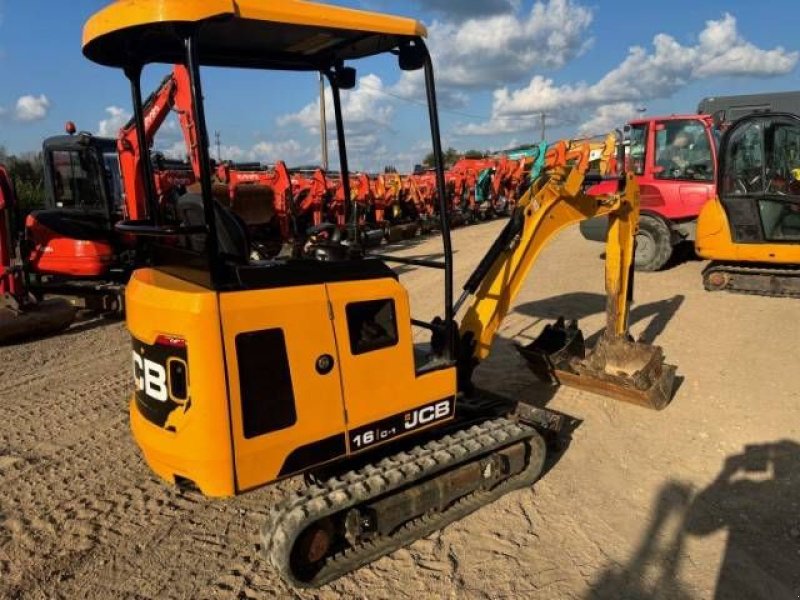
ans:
(46, 318)
(617, 367)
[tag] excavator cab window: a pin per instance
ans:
(744, 162)
(780, 209)
(114, 180)
(77, 180)
(761, 181)
(372, 326)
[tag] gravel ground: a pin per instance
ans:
(701, 500)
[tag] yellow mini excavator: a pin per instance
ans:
(248, 372)
(751, 230)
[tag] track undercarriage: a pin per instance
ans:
(347, 521)
(755, 280)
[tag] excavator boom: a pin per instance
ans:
(172, 95)
(618, 367)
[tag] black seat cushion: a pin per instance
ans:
(231, 232)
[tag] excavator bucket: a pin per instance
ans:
(617, 367)
(45, 318)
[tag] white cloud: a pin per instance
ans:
(233, 153)
(289, 151)
(411, 86)
(363, 108)
(469, 8)
(643, 75)
(176, 151)
(513, 124)
(484, 52)
(504, 48)
(32, 108)
(117, 119)
(367, 110)
(608, 117)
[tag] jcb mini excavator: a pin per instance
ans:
(248, 372)
(751, 230)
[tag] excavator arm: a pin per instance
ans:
(544, 211)
(617, 367)
(174, 94)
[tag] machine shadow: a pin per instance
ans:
(401, 269)
(580, 305)
(654, 571)
(754, 500)
(522, 392)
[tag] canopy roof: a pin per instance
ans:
(281, 34)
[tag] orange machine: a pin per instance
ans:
(249, 371)
(751, 229)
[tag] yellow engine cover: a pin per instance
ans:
(237, 389)
(715, 242)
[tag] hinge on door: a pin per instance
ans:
(330, 310)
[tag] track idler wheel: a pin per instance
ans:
(715, 281)
(617, 367)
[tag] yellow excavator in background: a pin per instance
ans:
(248, 372)
(751, 230)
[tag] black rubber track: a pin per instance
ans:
(772, 281)
(291, 518)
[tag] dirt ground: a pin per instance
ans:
(701, 500)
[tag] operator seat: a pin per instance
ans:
(232, 235)
(254, 204)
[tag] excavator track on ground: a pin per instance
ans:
(756, 280)
(335, 527)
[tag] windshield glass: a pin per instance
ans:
(637, 149)
(113, 178)
(763, 160)
(744, 163)
(77, 182)
(683, 151)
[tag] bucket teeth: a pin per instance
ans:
(616, 367)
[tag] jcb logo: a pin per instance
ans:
(428, 414)
(150, 377)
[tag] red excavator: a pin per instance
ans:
(262, 198)
(70, 248)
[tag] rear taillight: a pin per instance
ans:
(170, 341)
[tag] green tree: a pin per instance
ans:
(27, 175)
(451, 156)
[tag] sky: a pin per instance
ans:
(587, 65)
